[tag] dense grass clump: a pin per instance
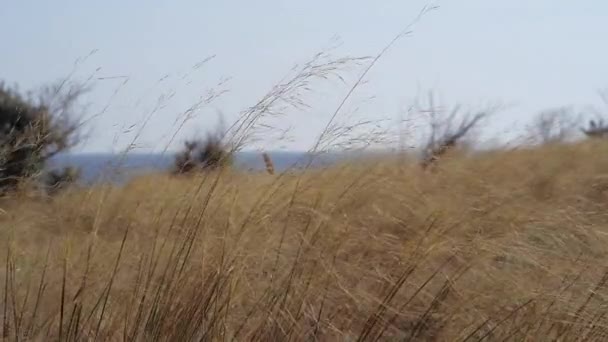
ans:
(504, 245)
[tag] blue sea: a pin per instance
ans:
(120, 168)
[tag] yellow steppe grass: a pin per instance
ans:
(504, 245)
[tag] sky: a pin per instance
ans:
(530, 55)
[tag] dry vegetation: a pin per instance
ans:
(495, 246)
(499, 246)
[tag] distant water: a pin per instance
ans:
(120, 168)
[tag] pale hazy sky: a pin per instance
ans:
(534, 54)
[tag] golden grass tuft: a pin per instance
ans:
(505, 245)
(268, 163)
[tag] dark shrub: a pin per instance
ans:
(596, 129)
(32, 130)
(203, 154)
(56, 180)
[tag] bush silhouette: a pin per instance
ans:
(57, 180)
(33, 130)
(596, 129)
(203, 154)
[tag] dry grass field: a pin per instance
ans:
(499, 246)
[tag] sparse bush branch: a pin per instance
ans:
(445, 134)
(552, 126)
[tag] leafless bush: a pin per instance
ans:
(447, 129)
(553, 126)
